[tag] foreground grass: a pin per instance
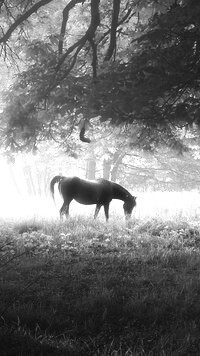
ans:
(88, 288)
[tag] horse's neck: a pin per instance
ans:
(119, 192)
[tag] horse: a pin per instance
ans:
(99, 192)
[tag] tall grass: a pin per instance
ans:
(85, 287)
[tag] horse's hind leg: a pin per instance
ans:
(106, 210)
(64, 210)
(98, 207)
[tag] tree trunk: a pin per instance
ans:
(106, 168)
(10, 168)
(113, 29)
(117, 160)
(29, 180)
(114, 172)
(91, 168)
(47, 178)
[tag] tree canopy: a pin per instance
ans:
(134, 63)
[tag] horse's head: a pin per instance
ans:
(128, 206)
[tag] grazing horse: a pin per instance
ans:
(99, 192)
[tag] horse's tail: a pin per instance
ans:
(56, 179)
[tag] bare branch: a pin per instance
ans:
(66, 11)
(22, 18)
(9, 13)
(90, 33)
(82, 137)
(94, 57)
(1, 4)
(126, 17)
(114, 25)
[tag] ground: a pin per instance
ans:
(84, 287)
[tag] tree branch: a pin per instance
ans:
(82, 137)
(119, 23)
(1, 4)
(114, 25)
(66, 11)
(90, 33)
(22, 18)
(94, 57)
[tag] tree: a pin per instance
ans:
(157, 89)
(134, 62)
(42, 84)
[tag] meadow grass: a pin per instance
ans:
(84, 287)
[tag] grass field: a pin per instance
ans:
(84, 287)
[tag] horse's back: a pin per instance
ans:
(85, 191)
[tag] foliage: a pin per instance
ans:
(136, 63)
(39, 83)
(158, 87)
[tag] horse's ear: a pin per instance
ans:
(135, 198)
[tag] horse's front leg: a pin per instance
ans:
(98, 207)
(64, 210)
(106, 210)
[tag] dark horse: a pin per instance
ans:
(99, 192)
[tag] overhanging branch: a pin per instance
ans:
(22, 18)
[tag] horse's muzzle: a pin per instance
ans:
(127, 216)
